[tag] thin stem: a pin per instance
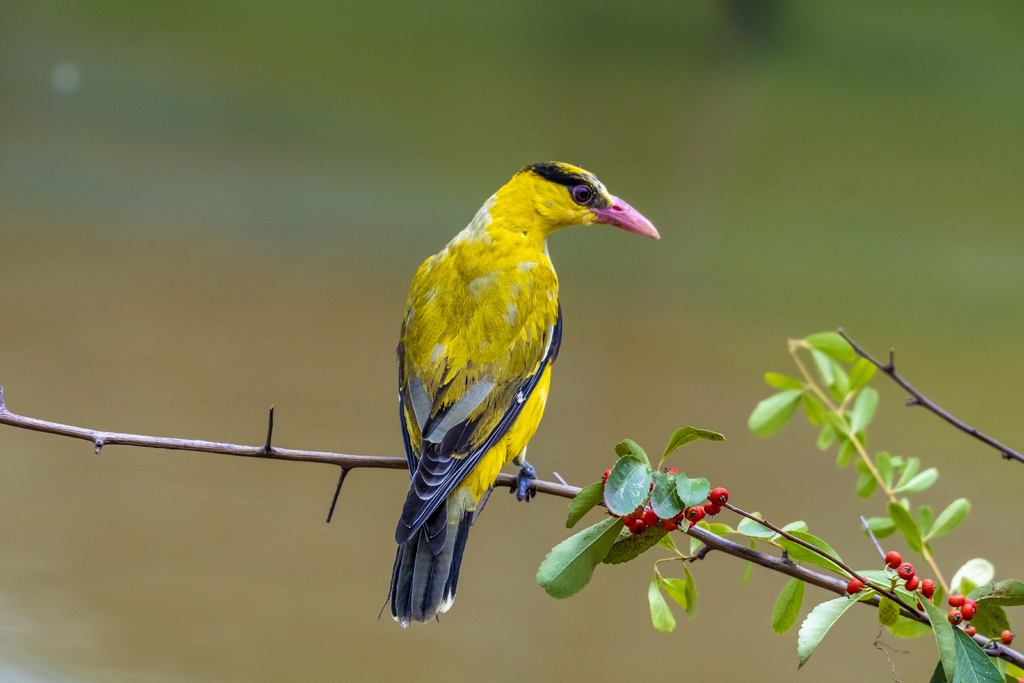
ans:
(919, 399)
(828, 556)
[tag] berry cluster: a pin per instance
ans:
(905, 571)
(964, 609)
(645, 518)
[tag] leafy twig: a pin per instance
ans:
(711, 541)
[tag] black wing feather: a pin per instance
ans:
(438, 473)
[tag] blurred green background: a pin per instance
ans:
(210, 207)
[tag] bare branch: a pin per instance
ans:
(919, 399)
(711, 541)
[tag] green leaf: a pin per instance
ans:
(906, 524)
(978, 571)
(772, 413)
(861, 373)
(990, 620)
(972, 664)
(667, 543)
(817, 624)
(924, 519)
(584, 502)
(569, 566)
(908, 471)
(683, 436)
(883, 463)
(832, 344)
(944, 638)
(814, 408)
(863, 409)
(909, 628)
(840, 386)
(718, 529)
(866, 483)
(920, 482)
(888, 612)
(780, 381)
(826, 437)
(799, 553)
(939, 675)
(676, 589)
(631, 546)
(630, 449)
(661, 615)
(950, 518)
(824, 366)
(691, 593)
(748, 571)
(664, 500)
(692, 491)
(749, 527)
(1009, 592)
(846, 451)
(842, 429)
(792, 526)
(628, 485)
(881, 527)
(787, 606)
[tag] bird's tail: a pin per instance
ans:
(422, 583)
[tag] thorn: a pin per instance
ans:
(891, 365)
(559, 478)
(912, 401)
(3, 406)
(99, 445)
(267, 448)
(341, 480)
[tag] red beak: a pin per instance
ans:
(622, 215)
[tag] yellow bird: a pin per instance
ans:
(482, 328)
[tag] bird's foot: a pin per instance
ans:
(526, 475)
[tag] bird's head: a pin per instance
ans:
(552, 195)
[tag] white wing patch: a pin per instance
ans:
(420, 402)
(469, 402)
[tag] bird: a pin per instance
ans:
(482, 328)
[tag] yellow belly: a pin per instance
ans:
(512, 444)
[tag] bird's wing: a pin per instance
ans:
(468, 365)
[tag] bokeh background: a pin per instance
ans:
(210, 207)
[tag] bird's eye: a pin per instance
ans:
(582, 194)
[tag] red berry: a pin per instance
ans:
(671, 470)
(637, 528)
(956, 600)
(712, 509)
(905, 571)
(913, 583)
(854, 586)
(719, 496)
(920, 607)
(652, 487)
(604, 479)
(968, 611)
(614, 515)
(1006, 637)
(694, 514)
(678, 518)
(927, 588)
(668, 524)
(970, 630)
(955, 617)
(629, 520)
(973, 605)
(638, 513)
(893, 559)
(650, 517)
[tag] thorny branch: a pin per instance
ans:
(711, 541)
(919, 399)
